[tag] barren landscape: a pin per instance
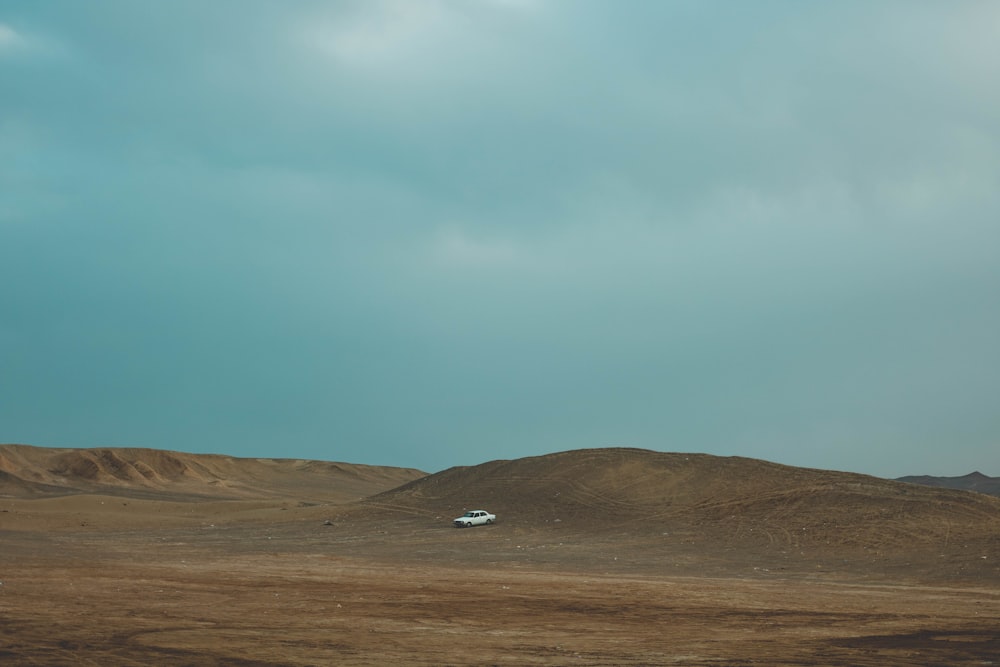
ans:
(599, 557)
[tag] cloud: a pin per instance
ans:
(7, 36)
(381, 33)
(438, 232)
(455, 247)
(18, 42)
(410, 47)
(11, 41)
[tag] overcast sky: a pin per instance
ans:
(432, 233)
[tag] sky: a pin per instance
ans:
(429, 233)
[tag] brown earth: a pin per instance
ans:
(37, 472)
(599, 557)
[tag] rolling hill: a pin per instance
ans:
(621, 486)
(36, 472)
(694, 511)
(720, 508)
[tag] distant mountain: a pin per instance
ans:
(39, 472)
(974, 481)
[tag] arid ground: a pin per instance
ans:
(599, 557)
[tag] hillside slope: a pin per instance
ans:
(618, 486)
(35, 472)
(708, 506)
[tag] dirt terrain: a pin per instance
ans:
(31, 472)
(599, 557)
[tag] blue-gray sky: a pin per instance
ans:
(431, 233)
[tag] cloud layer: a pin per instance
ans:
(439, 233)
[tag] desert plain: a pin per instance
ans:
(599, 557)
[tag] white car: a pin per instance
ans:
(475, 518)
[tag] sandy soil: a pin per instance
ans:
(609, 557)
(140, 582)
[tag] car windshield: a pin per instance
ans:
(469, 514)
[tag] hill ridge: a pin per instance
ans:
(719, 504)
(973, 481)
(27, 471)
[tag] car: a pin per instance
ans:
(475, 518)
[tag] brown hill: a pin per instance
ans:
(616, 486)
(974, 481)
(35, 472)
(708, 506)
(646, 510)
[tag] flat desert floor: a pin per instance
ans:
(103, 580)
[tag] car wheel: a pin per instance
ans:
(468, 524)
(489, 521)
